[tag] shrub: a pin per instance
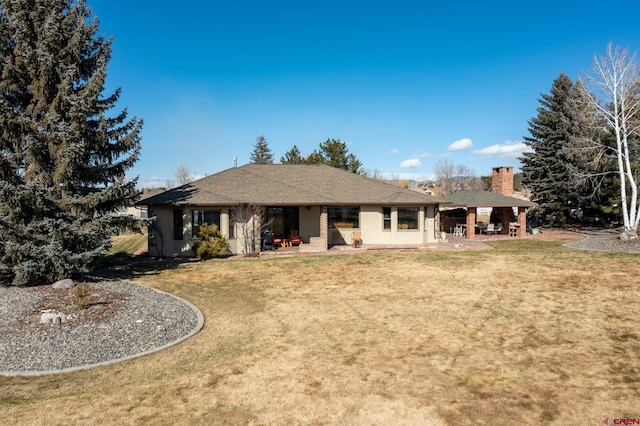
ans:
(212, 243)
(81, 296)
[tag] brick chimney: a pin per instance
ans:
(502, 181)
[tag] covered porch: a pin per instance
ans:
(507, 215)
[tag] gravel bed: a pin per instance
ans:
(605, 241)
(124, 320)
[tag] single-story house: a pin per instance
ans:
(324, 205)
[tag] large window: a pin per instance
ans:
(283, 220)
(344, 217)
(408, 218)
(386, 218)
(204, 217)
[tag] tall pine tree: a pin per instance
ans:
(261, 152)
(545, 169)
(335, 154)
(63, 157)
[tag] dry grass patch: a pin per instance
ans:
(530, 332)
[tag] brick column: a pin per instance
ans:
(522, 221)
(471, 222)
(324, 226)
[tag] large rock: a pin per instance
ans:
(50, 316)
(628, 235)
(66, 283)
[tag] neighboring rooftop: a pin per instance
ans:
(287, 184)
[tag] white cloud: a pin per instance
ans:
(394, 151)
(414, 161)
(460, 144)
(410, 163)
(509, 149)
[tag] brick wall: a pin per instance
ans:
(502, 181)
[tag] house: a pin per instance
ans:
(325, 205)
(507, 212)
(140, 209)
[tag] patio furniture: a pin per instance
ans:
(267, 241)
(294, 238)
(493, 229)
(459, 230)
(513, 229)
(356, 239)
(277, 241)
(482, 227)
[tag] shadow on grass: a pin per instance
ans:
(125, 266)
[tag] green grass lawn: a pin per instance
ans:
(127, 243)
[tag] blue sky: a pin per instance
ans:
(405, 83)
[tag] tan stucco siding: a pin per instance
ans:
(161, 232)
(430, 231)
(371, 228)
(373, 232)
(309, 223)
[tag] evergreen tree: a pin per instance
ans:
(335, 154)
(292, 156)
(546, 169)
(261, 153)
(63, 158)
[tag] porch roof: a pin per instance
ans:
(289, 185)
(476, 198)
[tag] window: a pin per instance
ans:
(344, 217)
(282, 220)
(408, 218)
(232, 226)
(177, 224)
(386, 218)
(204, 217)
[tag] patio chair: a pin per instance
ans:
(356, 239)
(277, 240)
(294, 238)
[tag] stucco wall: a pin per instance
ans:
(161, 242)
(371, 227)
(309, 222)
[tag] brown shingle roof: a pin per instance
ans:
(474, 198)
(286, 184)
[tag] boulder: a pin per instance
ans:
(66, 283)
(628, 235)
(51, 318)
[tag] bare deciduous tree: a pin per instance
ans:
(451, 178)
(612, 89)
(182, 177)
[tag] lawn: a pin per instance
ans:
(528, 333)
(127, 243)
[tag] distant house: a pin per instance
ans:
(325, 206)
(140, 210)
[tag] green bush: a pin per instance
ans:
(212, 243)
